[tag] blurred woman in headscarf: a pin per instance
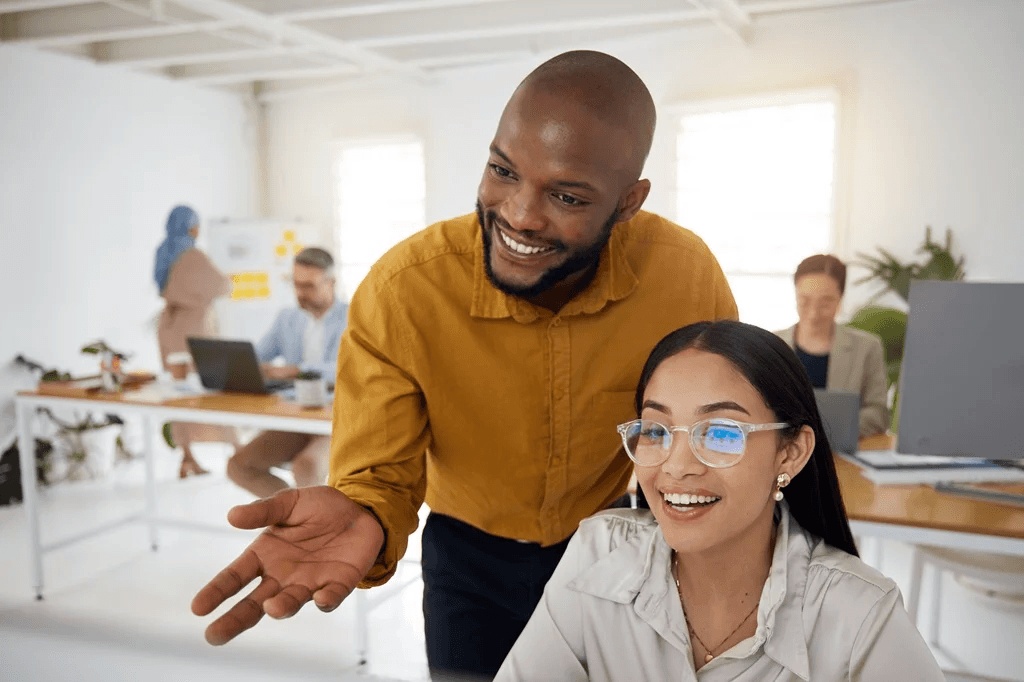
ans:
(189, 283)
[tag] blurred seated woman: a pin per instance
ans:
(744, 569)
(837, 357)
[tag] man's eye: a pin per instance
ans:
(568, 199)
(500, 170)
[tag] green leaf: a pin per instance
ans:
(889, 324)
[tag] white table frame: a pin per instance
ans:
(951, 539)
(151, 414)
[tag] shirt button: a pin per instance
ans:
(555, 322)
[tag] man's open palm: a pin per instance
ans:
(317, 546)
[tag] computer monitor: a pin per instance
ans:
(962, 385)
(840, 415)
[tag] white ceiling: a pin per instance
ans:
(279, 46)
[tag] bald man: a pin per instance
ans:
(485, 366)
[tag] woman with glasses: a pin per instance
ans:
(745, 567)
(837, 357)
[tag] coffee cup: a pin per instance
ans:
(310, 389)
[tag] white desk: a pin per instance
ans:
(259, 412)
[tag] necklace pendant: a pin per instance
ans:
(707, 658)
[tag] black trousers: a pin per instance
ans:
(478, 592)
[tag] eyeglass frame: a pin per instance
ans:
(745, 428)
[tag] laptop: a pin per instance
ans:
(840, 413)
(226, 365)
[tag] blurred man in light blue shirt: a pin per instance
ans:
(306, 337)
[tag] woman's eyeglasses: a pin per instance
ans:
(718, 443)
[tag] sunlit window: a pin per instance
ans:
(756, 182)
(381, 201)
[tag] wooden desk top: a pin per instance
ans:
(921, 506)
(242, 403)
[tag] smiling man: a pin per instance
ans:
(486, 363)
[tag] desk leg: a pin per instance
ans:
(27, 458)
(150, 454)
(362, 627)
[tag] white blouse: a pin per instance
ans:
(611, 612)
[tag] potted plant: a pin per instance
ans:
(75, 448)
(890, 323)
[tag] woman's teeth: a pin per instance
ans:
(685, 501)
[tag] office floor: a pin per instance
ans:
(114, 610)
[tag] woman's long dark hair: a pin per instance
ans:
(773, 369)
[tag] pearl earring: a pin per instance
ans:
(781, 482)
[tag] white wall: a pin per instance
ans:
(932, 101)
(91, 162)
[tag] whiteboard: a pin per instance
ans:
(256, 255)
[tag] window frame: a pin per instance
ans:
(337, 149)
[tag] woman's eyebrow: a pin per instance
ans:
(722, 405)
(654, 405)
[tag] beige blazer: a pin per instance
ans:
(857, 364)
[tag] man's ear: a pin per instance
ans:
(632, 199)
(795, 454)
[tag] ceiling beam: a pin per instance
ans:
(11, 6)
(775, 6)
(728, 16)
(96, 23)
(469, 58)
(375, 8)
(195, 48)
(114, 33)
(529, 28)
(224, 74)
(202, 76)
(280, 30)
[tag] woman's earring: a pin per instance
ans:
(781, 482)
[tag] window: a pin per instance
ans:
(381, 201)
(756, 180)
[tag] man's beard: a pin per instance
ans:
(581, 260)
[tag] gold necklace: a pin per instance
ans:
(708, 655)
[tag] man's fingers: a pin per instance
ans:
(287, 602)
(271, 511)
(227, 583)
(243, 615)
(330, 596)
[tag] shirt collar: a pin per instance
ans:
(650, 586)
(614, 280)
(780, 615)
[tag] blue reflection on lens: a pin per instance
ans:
(724, 438)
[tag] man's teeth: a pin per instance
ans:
(522, 248)
(684, 500)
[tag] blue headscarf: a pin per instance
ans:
(177, 242)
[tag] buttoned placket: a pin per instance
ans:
(559, 415)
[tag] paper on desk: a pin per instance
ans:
(886, 466)
(891, 458)
(160, 391)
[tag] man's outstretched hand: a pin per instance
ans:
(317, 546)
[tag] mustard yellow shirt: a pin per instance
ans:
(500, 413)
